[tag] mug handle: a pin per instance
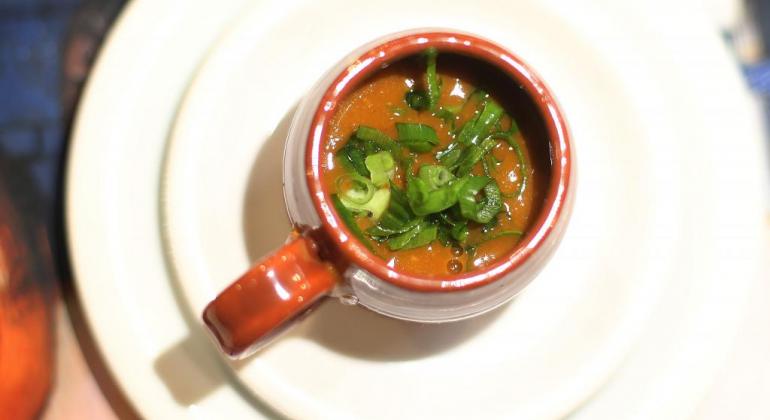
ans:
(267, 298)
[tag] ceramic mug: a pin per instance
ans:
(322, 258)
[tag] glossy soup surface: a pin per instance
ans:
(379, 102)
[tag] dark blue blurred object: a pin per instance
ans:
(31, 119)
(758, 76)
(36, 98)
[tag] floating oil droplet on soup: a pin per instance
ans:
(454, 266)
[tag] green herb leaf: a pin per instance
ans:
(418, 138)
(382, 167)
(479, 211)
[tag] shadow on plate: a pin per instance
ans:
(360, 333)
(353, 331)
(265, 222)
(191, 370)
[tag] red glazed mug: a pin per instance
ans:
(322, 258)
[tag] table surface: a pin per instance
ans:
(46, 50)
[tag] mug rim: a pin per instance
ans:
(373, 60)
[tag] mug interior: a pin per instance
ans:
(520, 91)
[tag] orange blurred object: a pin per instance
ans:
(26, 360)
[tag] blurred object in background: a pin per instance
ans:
(26, 345)
(46, 51)
(732, 18)
(747, 31)
(745, 26)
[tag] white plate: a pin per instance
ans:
(537, 358)
(653, 113)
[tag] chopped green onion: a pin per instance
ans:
(490, 225)
(482, 211)
(355, 189)
(523, 167)
(417, 100)
(460, 232)
(399, 204)
(478, 95)
(514, 128)
(352, 155)
(382, 167)
(470, 251)
(447, 115)
(425, 200)
(418, 138)
(431, 78)
(489, 166)
(449, 156)
(488, 238)
(443, 236)
(421, 234)
(431, 191)
(381, 231)
(436, 176)
(397, 218)
(376, 140)
(446, 219)
(472, 154)
(375, 207)
(476, 129)
(350, 221)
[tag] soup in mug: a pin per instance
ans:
(437, 163)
